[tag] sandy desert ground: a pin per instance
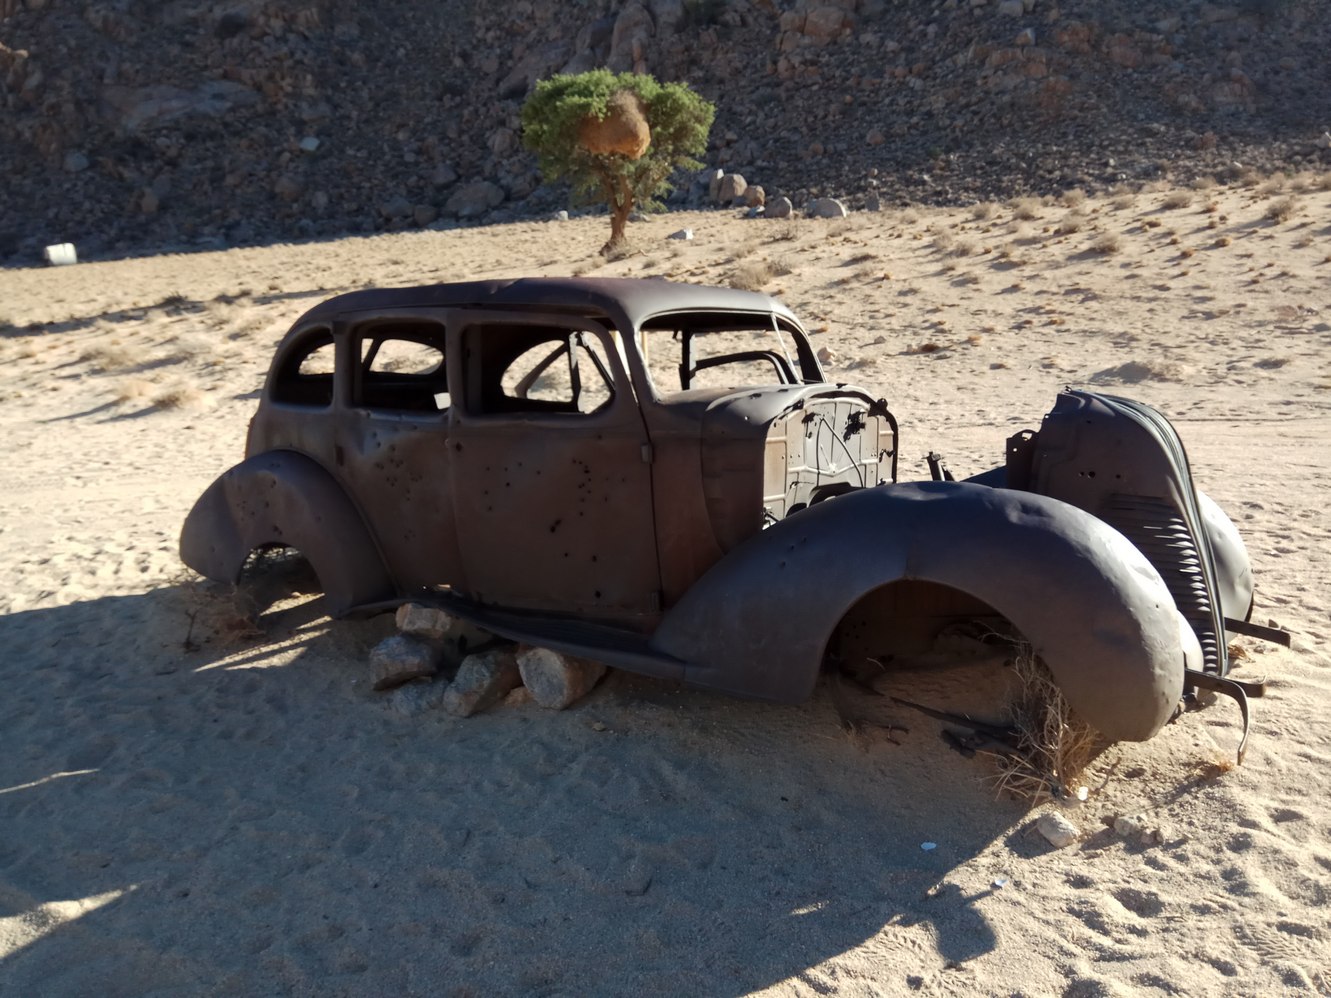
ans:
(249, 818)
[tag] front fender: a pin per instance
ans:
(1091, 605)
(286, 499)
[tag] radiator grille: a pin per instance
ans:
(1160, 533)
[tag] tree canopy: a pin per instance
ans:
(555, 125)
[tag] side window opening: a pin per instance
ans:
(402, 368)
(305, 375)
(716, 350)
(537, 370)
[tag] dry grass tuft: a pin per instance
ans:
(109, 357)
(1123, 203)
(135, 390)
(1072, 198)
(1107, 244)
(1072, 222)
(177, 397)
(1282, 210)
(1204, 183)
(785, 232)
(965, 247)
(1275, 185)
(1026, 208)
(752, 275)
(984, 211)
(1054, 746)
(1178, 199)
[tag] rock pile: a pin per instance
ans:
(439, 660)
(142, 127)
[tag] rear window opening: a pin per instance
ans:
(402, 368)
(304, 376)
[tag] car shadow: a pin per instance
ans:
(202, 793)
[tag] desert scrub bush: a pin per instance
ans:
(564, 122)
(1178, 199)
(106, 357)
(1106, 244)
(964, 247)
(1204, 183)
(1072, 198)
(1071, 222)
(1282, 210)
(1026, 208)
(984, 211)
(752, 275)
(1053, 747)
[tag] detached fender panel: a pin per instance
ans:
(286, 499)
(1233, 568)
(1092, 606)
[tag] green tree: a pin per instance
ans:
(565, 119)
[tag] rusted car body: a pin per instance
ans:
(660, 477)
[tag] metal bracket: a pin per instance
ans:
(1230, 688)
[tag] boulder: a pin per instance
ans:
(779, 207)
(827, 208)
(731, 188)
(755, 196)
(395, 207)
(623, 130)
(146, 109)
(557, 680)
(628, 41)
(475, 199)
(402, 658)
(482, 680)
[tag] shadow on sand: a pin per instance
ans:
(192, 807)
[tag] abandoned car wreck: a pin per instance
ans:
(659, 477)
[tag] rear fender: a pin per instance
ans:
(1089, 602)
(285, 499)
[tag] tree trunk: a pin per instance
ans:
(621, 206)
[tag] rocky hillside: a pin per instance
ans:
(129, 125)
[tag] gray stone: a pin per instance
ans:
(827, 208)
(557, 680)
(559, 216)
(402, 658)
(309, 144)
(482, 680)
(144, 109)
(396, 207)
(713, 180)
(872, 203)
(424, 214)
(681, 234)
(779, 207)
(443, 175)
(1056, 828)
(418, 697)
(475, 199)
(1012, 8)
(731, 188)
(75, 162)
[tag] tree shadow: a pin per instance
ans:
(202, 793)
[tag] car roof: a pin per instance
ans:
(621, 299)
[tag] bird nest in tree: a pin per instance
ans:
(623, 130)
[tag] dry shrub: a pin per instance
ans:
(1123, 203)
(1054, 746)
(1178, 199)
(1072, 222)
(177, 397)
(1204, 183)
(1072, 198)
(1107, 244)
(1273, 186)
(785, 232)
(929, 347)
(944, 241)
(1026, 208)
(965, 247)
(135, 390)
(984, 211)
(109, 357)
(752, 275)
(1282, 210)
